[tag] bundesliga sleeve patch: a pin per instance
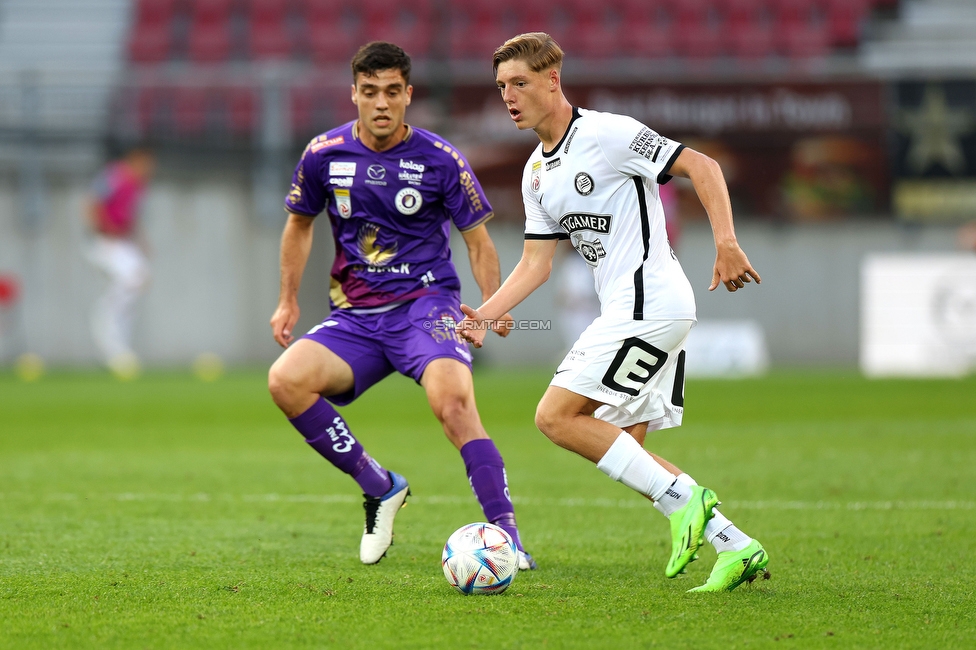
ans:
(649, 144)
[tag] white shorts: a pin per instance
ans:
(635, 368)
(121, 259)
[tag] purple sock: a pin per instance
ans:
(327, 433)
(486, 473)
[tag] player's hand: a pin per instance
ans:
(471, 329)
(503, 326)
(732, 268)
(283, 322)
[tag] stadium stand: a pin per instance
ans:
(219, 30)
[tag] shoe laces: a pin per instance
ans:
(371, 505)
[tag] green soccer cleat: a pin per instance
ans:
(735, 567)
(688, 529)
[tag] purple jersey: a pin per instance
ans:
(391, 213)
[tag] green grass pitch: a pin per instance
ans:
(169, 512)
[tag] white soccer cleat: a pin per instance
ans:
(380, 513)
(526, 563)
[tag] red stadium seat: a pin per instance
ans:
(477, 28)
(409, 25)
(801, 31)
(269, 40)
(647, 29)
(594, 29)
(748, 28)
(333, 30)
(209, 43)
(155, 12)
(698, 29)
(844, 21)
(268, 10)
(804, 41)
(241, 109)
(151, 43)
(212, 11)
(190, 110)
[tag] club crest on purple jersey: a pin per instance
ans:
(372, 252)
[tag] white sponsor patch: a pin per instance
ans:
(343, 203)
(342, 168)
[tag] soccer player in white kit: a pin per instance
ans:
(594, 180)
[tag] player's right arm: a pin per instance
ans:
(529, 274)
(306, 199)
(296, 244)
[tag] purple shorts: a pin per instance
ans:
(404, 339)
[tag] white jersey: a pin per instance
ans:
(599, 188)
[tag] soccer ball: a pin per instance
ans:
(480, 559)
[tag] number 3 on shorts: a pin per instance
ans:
(636, 362)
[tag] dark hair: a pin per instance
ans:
(537, 49)
(378, 55)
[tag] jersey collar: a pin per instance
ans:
(549, 154)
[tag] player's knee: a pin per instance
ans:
(547, 420)
(451, 409)
(282, 385)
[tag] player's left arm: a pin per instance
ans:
(732, 267)
(486, 269)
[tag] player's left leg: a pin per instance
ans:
(112, 317)
(450, 392)
(740, 557)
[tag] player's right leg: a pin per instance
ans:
(626, 372)
(297, 381)
(566, 418)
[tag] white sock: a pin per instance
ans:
(627, 462)
(729, 538)
(719, 531)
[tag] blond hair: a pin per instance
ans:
(537, 49)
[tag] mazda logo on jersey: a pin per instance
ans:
(577, 221)
(376, 172)
(584, 183)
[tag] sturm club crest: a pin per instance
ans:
(408, 201)
(578, 222)
(584, 183)
(591, 251)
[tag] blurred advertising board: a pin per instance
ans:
(934, 150)
(918, 315)
(790, 151)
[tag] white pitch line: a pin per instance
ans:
(203, 497)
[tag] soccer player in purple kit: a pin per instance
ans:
(391, 192)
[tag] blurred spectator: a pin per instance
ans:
(967, 237)
(672, 214)
(113, 213)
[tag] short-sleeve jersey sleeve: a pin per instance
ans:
(307, 196)
(464, 199)
(633, 149)
(538, 223)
